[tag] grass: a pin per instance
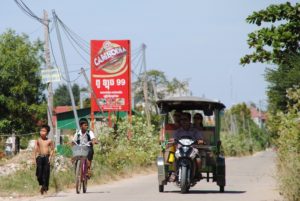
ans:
(24, 182)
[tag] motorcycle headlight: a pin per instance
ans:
(186, 142)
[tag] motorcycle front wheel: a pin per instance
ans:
(184, 186)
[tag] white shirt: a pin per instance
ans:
(83, 137)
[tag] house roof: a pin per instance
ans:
(255, 113)
(61, 109)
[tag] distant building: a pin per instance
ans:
(259, 117)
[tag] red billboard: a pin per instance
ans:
(110, 75)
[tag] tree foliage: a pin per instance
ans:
(157, 82)
(286, 76)
(155, 79)
(62, 97)
(177, 87)
(240, 134)
(273, 43)
(276, 42)
(21, 98)
(288, 144)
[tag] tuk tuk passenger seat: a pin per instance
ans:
(208, 136)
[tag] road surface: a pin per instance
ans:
(249, 178)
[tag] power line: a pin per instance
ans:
(28, 11)
(136, 65)
(84, 45)
(35, 30)
(76, 48)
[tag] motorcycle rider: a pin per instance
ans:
(187, 130)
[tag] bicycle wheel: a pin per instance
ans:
(84, 177)
(78, 176)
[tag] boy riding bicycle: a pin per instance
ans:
(86, 136)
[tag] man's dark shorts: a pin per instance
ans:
(90, 154)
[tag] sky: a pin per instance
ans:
(199, 41)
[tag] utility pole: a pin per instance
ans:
(66, 69)
(91, 90)
(48, 66)
(145, 87)
(155, 95)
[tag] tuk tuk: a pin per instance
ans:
(212, 160)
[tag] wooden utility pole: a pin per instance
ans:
(145, 87)
(48, 66)
(155, 96)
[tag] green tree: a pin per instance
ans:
(240, 133)
(177, 87)
(277, 42)
(21, 98)
(281, 38)
(62, 97)
(157, 81)
(284, 77)
(86, 101)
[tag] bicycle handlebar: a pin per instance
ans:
(83, 144)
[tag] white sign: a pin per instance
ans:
(50, 75)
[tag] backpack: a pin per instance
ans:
(88, 137)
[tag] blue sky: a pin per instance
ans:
(201, 41)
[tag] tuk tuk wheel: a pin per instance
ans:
(161, 188)
(221, 189)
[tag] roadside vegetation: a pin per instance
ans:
(116, 156)
(276, 43)
(287, 126)
(240, 135)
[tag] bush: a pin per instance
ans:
(115, 155)
(240, 135)
(121, 153)
(288, 146)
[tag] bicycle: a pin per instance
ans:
(80, 153)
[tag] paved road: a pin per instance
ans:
(248, 179)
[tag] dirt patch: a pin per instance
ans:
(9, 166)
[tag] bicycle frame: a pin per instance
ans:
(80, 174)
(80, 168)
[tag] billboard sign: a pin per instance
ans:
(110, 74)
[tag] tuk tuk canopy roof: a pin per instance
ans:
(189, 103)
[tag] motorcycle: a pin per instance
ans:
(182, 170)
(186, 163)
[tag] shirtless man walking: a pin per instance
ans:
(43, 152)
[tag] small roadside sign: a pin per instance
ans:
(50, 75)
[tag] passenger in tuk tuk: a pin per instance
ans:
(176, 116)
(169, 129)
(198, 121)
(187, 130)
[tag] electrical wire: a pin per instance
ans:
(76, 48)
(28, 11)
(84, 45)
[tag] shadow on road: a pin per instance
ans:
(208, 192)
(97, 192)
(55, 195)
